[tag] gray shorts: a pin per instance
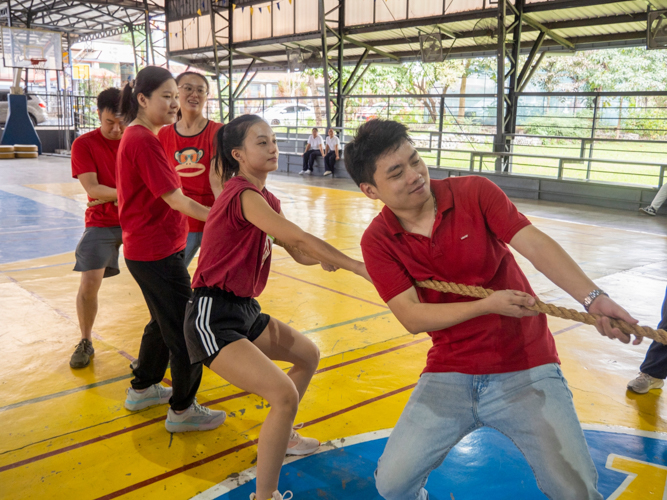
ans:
(98, 249)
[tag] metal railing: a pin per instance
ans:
(607, 137)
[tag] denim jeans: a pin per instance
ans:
(533, 408)
(191, 247)
(655, 363)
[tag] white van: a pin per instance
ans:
(36, 108)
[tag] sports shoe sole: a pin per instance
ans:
(81, 366)
(651, 387)
(647, 212)
(188, 427)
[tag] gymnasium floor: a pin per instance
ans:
(65, 434)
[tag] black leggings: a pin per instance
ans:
(165, 285)
(330, 161)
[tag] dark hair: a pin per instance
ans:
(374, 139)
(148, 81)
(315, 128)
(179, 115)
(109, 99)
(230, 137)
(193, 73)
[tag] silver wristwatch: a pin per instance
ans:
(592, 296)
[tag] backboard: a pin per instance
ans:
(24, 48)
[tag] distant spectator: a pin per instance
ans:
(314, 149)
(332, 153)
(657, 202)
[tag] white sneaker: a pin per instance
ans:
(276, 496)
(154, 395)
(299, 445)
(649, 210)
(328, 172)
(195, 418)
(644, 383)
(307, 172)
(303, 172)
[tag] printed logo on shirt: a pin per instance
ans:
(268, 244)
(188, 159)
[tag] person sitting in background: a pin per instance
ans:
(314, 148)
(332, 153)
(655, 205)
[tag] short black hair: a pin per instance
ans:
(374, 139)
(109, 99)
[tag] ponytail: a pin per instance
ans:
(230, 137)
(148, 81)
(129, 106)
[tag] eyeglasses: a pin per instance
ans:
(189, 89)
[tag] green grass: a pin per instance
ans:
(625, 173)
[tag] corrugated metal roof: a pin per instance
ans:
(592, 22)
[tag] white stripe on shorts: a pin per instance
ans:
(214, 346)
(198, 323)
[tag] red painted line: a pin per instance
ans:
(192, 465)
(176, 471)
(369, 356)
(331, 290)
(80, 445)
(37, 458)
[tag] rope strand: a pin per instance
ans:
(550, 309)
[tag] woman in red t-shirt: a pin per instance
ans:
(152, 212)
(224, 326)
(190, 147)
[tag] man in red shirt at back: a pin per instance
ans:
(493, 361)
(94, 164)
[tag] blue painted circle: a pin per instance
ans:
(483, 465)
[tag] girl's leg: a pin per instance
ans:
(244, 365)
(283, 343)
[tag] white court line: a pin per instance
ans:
(49, 199)
(249, 474)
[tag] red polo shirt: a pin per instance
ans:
(474, 223)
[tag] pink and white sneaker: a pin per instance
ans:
(299, 445)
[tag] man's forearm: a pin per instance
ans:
(102, 192)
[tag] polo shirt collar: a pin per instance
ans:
(443, 195)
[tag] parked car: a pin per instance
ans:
(36, 108)
(287, 114)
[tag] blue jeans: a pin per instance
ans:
(191, 247)
(655, 363)
(533, 408)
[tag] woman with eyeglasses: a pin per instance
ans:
(190, 146)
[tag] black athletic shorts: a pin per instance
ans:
(98, 249)
(215, 318)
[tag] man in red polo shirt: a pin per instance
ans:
(94, 164)
(493, 362)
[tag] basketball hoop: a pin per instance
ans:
(38, 63)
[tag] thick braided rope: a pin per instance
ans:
(550, 309)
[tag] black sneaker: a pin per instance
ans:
(82, 354)
(649, 211)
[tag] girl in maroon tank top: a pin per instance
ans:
(224, 326)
